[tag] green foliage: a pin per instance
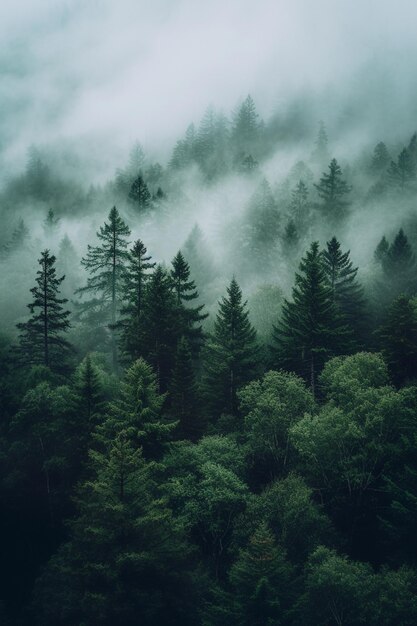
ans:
(41, 338)
(332, 191)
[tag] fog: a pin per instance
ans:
(99, 74)
(82, 81)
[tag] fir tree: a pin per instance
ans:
(402, 173)
(231, 353)
(51, 223)
(291, 238)
(183, 393)
(161, 329)
(88, 389)
(398, 339)
(310, 329)
(332, 191)
(261, 580)
(381, 250)
(42, 336)
(185, 292)
(347, 293)
(246, 128)
(136, 277)
(106, 265)
(321, 151)
(300, 206)
(184, 150)
(380, 159)
(139, 195)
(399, 267)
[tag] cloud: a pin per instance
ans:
(105, 73)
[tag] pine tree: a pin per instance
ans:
(347, 293)
(291, 238)
(185, 292)
(183, 393)
(401, 174)
(161, 329)
(42, 336)
(138, 412)
(261, 580)
(135, 279)
(332, 191)
(246, 128)
(398, 339)
(139, 195)
(88, 389)
(184, 150)
(51, 223)
(231, 353)
(399, 267)
(380, 159)
(381, 250)
(310, 329)
(106, 265)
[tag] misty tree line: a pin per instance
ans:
(167, 461)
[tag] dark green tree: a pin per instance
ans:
(185, 292)
(106, 266)
(398, 339)
(184, 396)
(401, 174)
(310, 329)
(381, 250)
(88, 389)
(347, 293)
(42, 338)
(135, 280)
(231, 353)
(399, 267)
(161, 328)
(332, 191)
(139, 195)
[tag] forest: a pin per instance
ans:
(208, 381)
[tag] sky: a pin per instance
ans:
(105, 73)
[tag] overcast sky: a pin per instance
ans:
(109, 71)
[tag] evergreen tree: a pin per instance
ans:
(347, 293)
(261, 580)
(161, 329)
(42, 336)
(88, 389)
(135, 279)
(381, 250)
(183, 393)
(300, 206)
(291, 238)
(402, 173)
(246, 128)
(138, 412)
(106, 265)
(231, 353)
(310, 329)
(139, 195)
(198, 256)
(399, 267)
(332, 191)
(185, 292)
(380, 159)
(398, 339)
(184, 150)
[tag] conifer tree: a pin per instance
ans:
(310, 329)
(260, 230)
(300, 206)
(380, 159)
(291, 238)
(231, 353)
(332, 190)
(398, 339)
(261, 580)
(41, 338)
(402, 174)
(184, 150)
(161, 328)
(381, 250)
(347, 293)
(246, 128)
(106, 265)
(139, 195)
(88, 389)
(398, 266)
(136, 277)
(138, 412)
(183, 393)
(51, 223)
(198, 256)
(185, 292)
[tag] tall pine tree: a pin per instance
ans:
(42, 336)
(332, 191)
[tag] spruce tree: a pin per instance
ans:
(399, 266)
(401, 174)
(300, 206)
(88, 389)
(381, 250)
(321, 151)
(380, 159)
(185, 292)
(398, 339)
(246, 129)
(51, 223)
(139, 195)
(310, 329)
(161, 328)
(106, 265)
(347, 293)
(136, 277)
(41, 338)
(231, 353)
(332, 190)
(183, 394)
